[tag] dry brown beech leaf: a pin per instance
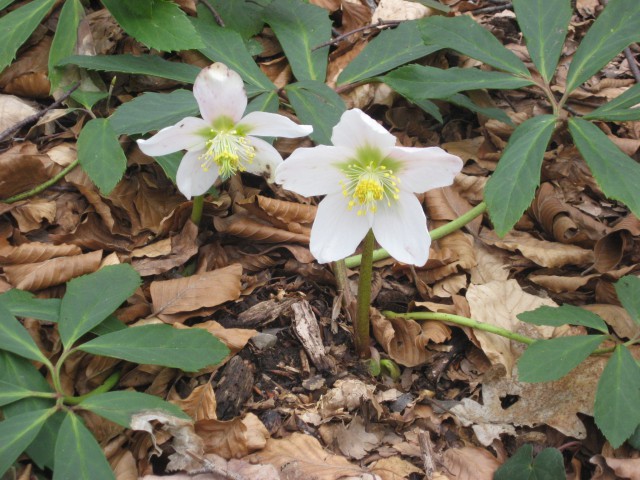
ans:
(302, 456)
(617, 317)
(234, 338)
(399, 338)
(284, 211)
(561, 284)
(470, 463)
(22, 168)
(34, 252)
(200, 404)
(56, 271)
(245, 227)
(234, 438)
(187, 294)
(394, 468)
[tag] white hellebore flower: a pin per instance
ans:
(369, 184)
(222, 142)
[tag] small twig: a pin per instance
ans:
(214, 12)
(339, 38)
(427, 454)
(36, 116)
(633, 64)
(494, 8)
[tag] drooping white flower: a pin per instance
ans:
(369, 183)
(222, 142)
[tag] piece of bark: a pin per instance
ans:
(233, 389)
(263, 313)
(305, 326)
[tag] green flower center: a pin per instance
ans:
(368, 184)
(229, 150)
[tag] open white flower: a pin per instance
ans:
(222, 142)
(369, 184)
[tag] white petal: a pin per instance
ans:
(313, 171)
(357, 129)
(184, 135)
(402, 230)
(425, 168)
(192, 180)
(336, 231)
(266, 161)
(219, 92)
(265, 124)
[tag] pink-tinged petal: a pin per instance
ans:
(336, 231)
(356, 129)
(219, 92)
(265, 124)
(192, 180)
(425, 168)
(187, 134)
(266, 161)
(402, 230)
(314, 171)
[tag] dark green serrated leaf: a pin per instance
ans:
(10, 393)
(548, 465)
(189, 350)
(613, 30)
(464, 35)
(634, 440)
(566, 314)
(17, 26)
(628, 290)
(317, 104)
(544, 24)
(88, 99)
(91, 298)
(429, 107)
(619, 109)
(617, 174)
(21, 372)
(65, 39)
(159, 24)
(512, 186)
(242, 16)
(549, 360)
(226, 46)
(390, 49)
(17, 433)
(136, 65)
(119, 407)
(465, 102)
(421, 82)
(100, 154)
(299, 28)
(26, 305)
(15, 338)
(617, 398)
(153, 111)
(77, 453)
(265, 102)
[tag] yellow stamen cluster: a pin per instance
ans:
(229, 150)
(369, 184)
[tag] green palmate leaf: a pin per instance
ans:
(420, 82)
(464, 35)
(17, 26)
(119, 407)
(91, 298)
(77, 453)
(137, 65)
(544, 24)
(617, 174)
(465, 102)
(153, 111)
(189, 350)
(390, 49)
(549, 360)
(566, 314)
(26, 305)
(159, 24)
(619, 109)
(265, 102)
(616, 409)
(613, 30)
(65, 39)
(512, 186)
(548, 465)
(242, 16)
(300, 27)
(226, 46)
(100, 154)
(14, 338)
(628, 290)
(316, 104)
(17, 433)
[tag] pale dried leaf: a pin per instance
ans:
(353, 440)
(470, 463)
(625, 467)
(234, 438)
(561, 284)
(617, 317)
(32, 214)
(200, 404)
(393, 468)
(398, 337)
(346, 395)
(492, 264)
(245, 227)
(399, 10)
(13, 110)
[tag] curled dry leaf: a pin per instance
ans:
(233, 439)
(353, 440)
(187, 294)
(32, 214)
(281, 210)
(200, 404)
(234, 338)
(22, 168)
(246, 227)
(34, 252)
(56, 271)
(393, 468)
(561, 284)
(345, 396)
(399, 338)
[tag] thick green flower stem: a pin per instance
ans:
(435, 234)
(361, 327)
(108, 384)
(196, 209)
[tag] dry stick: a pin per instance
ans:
(339, 38)
(214, 12)
(36, 116)
(633, 64)
(495, 8)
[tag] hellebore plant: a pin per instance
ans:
(370, 187)
(222, 142)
